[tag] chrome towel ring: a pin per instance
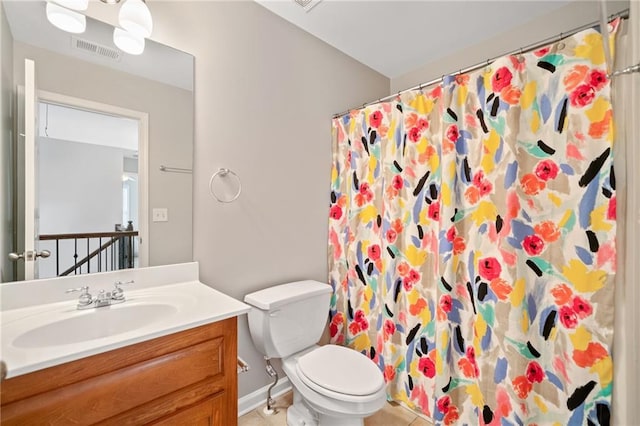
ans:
(222, 172)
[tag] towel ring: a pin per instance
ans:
(223, 172)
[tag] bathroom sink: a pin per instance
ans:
(45, 332)
(94, 324)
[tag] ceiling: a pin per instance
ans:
(77, 125)
(396, 37)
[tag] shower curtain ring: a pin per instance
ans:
(560, 43)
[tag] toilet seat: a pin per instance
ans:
(341, 373)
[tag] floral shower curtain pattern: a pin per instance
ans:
(472, 240)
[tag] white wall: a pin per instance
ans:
(80, 190)
(130, 167)
(80, 187)
(626, 343)
(265, 94)
(170, 112)
(6, 135)
(573, 15)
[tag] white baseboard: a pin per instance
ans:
(259, 397)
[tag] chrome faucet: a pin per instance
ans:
(102, 299)
(108, 298)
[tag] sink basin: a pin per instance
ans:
(94, 324)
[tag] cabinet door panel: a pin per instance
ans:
(98, 398)
(206, 413)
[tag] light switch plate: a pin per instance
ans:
(160, 215)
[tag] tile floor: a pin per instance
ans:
(391, 415)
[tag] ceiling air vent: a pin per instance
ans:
(307, 5)
(96, 49)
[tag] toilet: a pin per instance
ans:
(332, 385)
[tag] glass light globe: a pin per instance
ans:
(135, 17)
(65, 19)
(127, 42)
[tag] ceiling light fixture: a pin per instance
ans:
(66, 19)
(135, 17)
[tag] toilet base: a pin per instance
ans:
(336, 421)
(299, 414)
(301, 417)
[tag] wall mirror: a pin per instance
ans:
(113, 150)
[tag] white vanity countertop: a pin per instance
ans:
(44, 335)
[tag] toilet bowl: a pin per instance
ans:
(332, 385)
(336, 385)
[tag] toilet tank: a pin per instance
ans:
(288, 318)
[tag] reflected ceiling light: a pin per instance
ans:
(65, 19)
(73, 4)
(134, 16)
(128, 42)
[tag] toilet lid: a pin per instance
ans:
(341, 370)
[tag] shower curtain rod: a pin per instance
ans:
(624, 14)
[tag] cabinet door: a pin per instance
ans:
(206, 413)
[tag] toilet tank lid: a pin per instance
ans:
(276, 296)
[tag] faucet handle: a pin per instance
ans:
(118, 293)
(119, 283)
(83, 289)
(85, 298)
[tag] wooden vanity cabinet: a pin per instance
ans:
(186, 378)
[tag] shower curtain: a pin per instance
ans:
(472, 240)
